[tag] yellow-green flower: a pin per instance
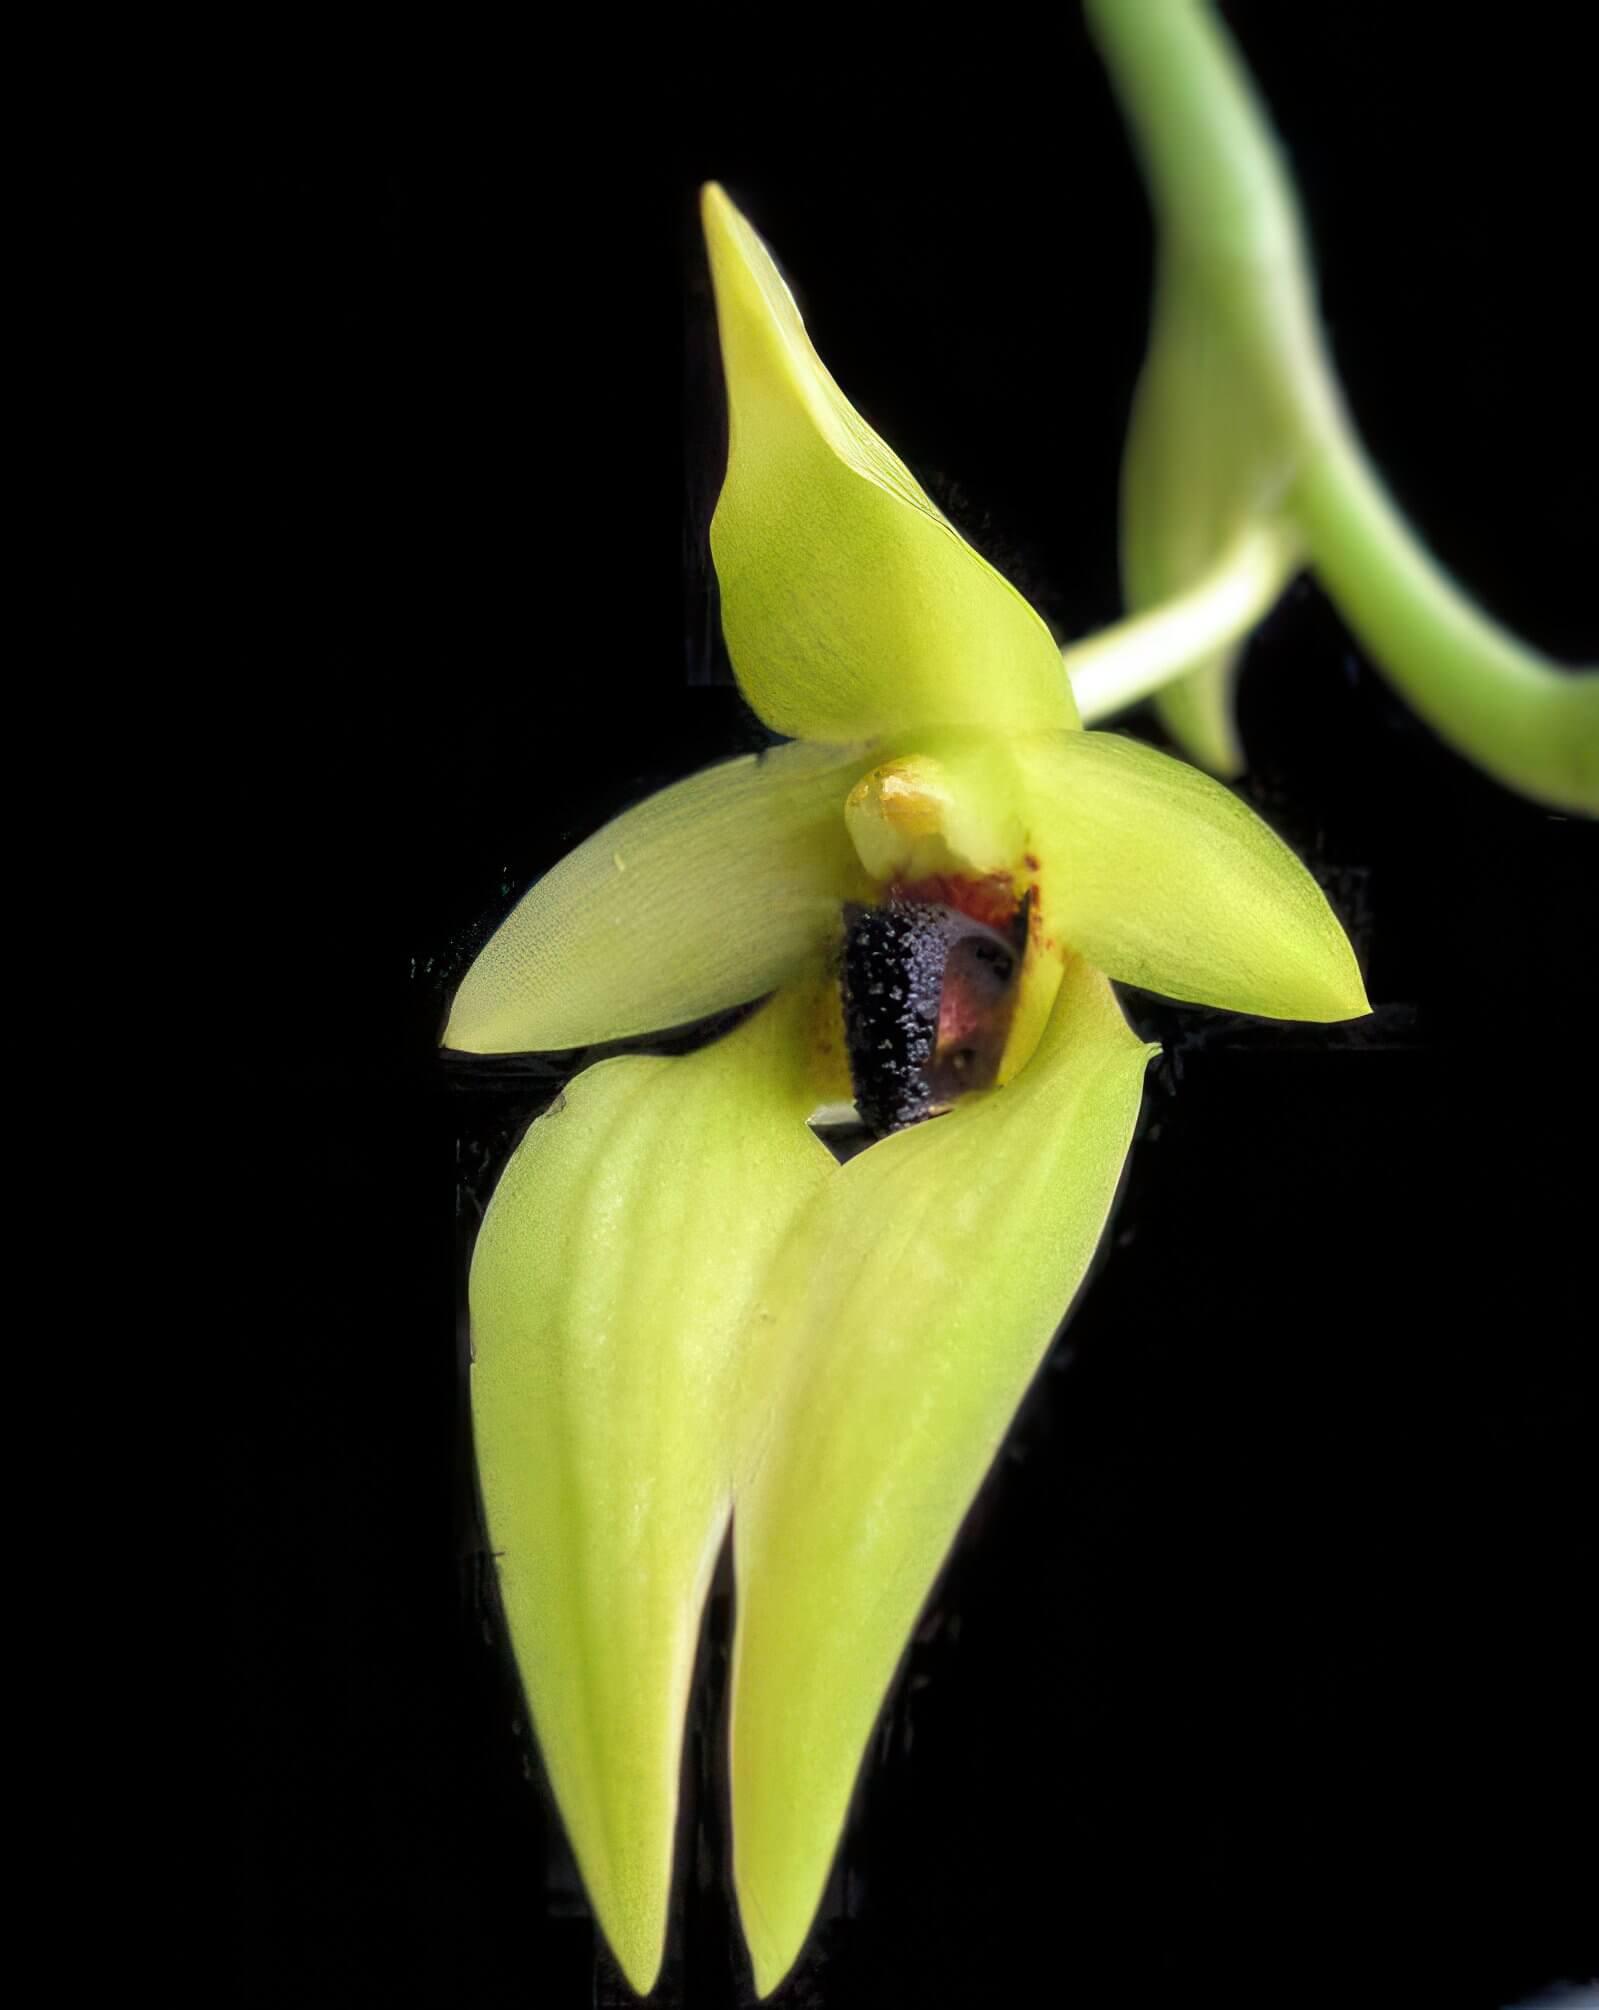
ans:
(686, 1315)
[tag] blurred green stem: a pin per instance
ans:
(1491, 696)
(1133, 658)
(1242, 417)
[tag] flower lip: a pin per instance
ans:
(929, 994)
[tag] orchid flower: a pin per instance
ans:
(1243, 465)
(686, 1314)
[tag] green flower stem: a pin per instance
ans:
(1491, 696)
(1133, 658)
(1237, 333)
(1220, 191)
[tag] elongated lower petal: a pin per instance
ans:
(851, 606)
(610, 1289)
(705, 895)
(904, 1318)
(1163, 878)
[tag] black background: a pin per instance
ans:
(1258, 1673)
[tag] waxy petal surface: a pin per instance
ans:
(704, 895)
(852, 607)
(610, 1293)
(1161, 877)
(901, 1324)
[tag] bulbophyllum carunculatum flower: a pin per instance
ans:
(687, 1315)
(1243, 466)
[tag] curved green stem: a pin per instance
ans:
(1241, 335)
(1220, 189)
(1491, 696)
(1133, 658)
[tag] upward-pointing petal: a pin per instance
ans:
(852, 607)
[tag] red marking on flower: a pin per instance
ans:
(990, 900)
